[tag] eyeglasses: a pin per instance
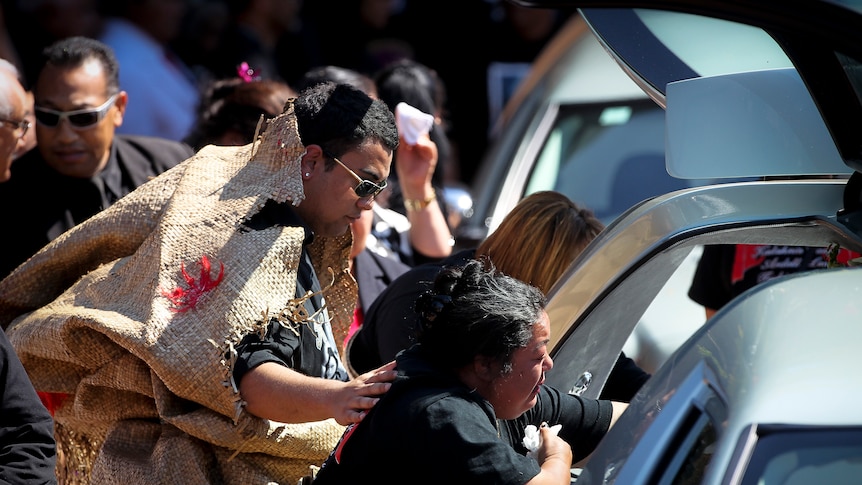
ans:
(22, 125)
(79, 118)
(366, 188)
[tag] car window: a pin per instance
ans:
(793, 456)
(606, 156)
(606, 295)
(596, 155)
(689, 458)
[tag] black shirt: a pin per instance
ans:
(390, 326)
(40, 204)
(390, 323)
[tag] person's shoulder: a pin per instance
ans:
(425, 273)
(28, 170)
(391, 266)
(153, 144)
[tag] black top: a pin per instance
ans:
(306, 346)
(727, 270)
(374, 273)
(390, 323)
(39, 204)
(430, 428)
(27, 444)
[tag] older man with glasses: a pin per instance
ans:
(14, 108)
(80, 166)
(26, 428)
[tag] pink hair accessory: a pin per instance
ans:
(247, 73)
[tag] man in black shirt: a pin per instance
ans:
(79, 166)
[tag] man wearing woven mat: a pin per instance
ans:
(190, 328)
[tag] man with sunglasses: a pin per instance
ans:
(79, 166)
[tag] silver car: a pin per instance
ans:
(764, 392)
(581, 126)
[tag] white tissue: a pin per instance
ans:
(411, 122)
(533, 439)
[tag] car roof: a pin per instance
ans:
(809, 31)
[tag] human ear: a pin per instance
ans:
(485, 369)
(313, 155)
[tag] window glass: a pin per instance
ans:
(607, 157)
(690, 457)
(797, 457)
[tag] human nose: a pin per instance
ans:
(366, 203)
(549, 363)
(65, 131)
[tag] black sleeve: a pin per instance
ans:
(27, 446)
(625, 380)
(710, 286)
(391, 322)
(280, 345)
(389, 325)
(584, 421)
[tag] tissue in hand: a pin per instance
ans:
(533, 439)
(411, 122)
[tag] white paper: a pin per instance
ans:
(411, 122)
(533, 439)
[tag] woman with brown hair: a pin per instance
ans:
(535, 243)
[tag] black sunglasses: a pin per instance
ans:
(79, 118)
(366, 188)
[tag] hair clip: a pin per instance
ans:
(436, 306)
(247, 73)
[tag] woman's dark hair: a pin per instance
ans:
(474, 310)
(236, 105)
(413, 83)
(419, 86)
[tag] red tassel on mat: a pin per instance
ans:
(185, 299)
(53, 400)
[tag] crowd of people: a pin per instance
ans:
(211, 223)
(172, 51)
(231, 265)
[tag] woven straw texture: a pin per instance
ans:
(151, 398)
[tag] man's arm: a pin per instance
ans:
(273, 391)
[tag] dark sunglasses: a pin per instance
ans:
(79, 118)
(366, 188)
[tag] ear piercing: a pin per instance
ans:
(308, 174)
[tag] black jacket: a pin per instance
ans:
(27, 445)
(40, 204)
(373, 274)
